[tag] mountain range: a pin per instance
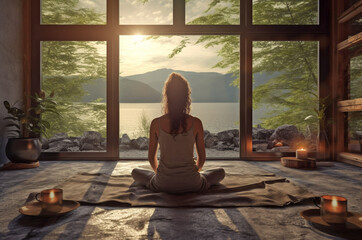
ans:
(147, 87)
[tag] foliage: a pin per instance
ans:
(69, 12)
(285, 12)
(67, 66)
(30, 122)
(144, 124)
(291, 93)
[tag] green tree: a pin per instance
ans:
(67, 66)
(292, 65)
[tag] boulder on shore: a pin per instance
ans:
(140, 143)
(287, 134)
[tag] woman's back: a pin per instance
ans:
(177, 171)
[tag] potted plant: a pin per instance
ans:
(322, 140)
(26, 126)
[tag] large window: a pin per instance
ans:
(285, 95)
(253, 66)
(146, 62)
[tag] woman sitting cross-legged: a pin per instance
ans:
(176, 132)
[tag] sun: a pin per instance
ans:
(138, 38)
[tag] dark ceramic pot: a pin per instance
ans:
(23, 150)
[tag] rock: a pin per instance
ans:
(261, 133)
(262, 147)
(140, 143)
(90, 137)
(287, 134)
(225, 135)
(281, 149)
(104, 143)
(236, 141)
(73, 149)
(206, 132)
(59, 146)
(125, 139)
(57, 137)
(222, 146)
(123, 147)
(210, 140)
(88, 147)
(235, 132)
(237, 149)
(259, 141)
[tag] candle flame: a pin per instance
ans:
(51, 195)
(334, 202)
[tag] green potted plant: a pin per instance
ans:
(26, 126)
(322, 140)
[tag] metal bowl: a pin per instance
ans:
(23, 150)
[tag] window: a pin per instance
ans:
(76, 72)
(98, 54)
(285, 95)
(280, 12)
(73, 12)
(146, 62)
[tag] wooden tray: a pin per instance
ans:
(354, 220)
(34, 209)
(293, 162)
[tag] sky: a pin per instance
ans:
(139, 55)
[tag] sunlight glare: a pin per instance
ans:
(138, 38)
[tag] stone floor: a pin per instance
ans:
(90, 222)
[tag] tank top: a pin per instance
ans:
(177, 171)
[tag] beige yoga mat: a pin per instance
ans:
(234, 191)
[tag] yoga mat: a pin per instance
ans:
(233, 191)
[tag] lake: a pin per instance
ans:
(215, 117)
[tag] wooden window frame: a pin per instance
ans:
(341, 42)
(111, 31)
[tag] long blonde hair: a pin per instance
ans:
(176, 101)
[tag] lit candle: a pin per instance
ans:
(51, 199)
(334, 209)
(301, 153)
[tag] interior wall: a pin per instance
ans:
(11, 86)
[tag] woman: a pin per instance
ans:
(176, 132)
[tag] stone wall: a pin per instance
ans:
(11, 86)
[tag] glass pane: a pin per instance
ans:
(145, 12)
(146, 62)
(355, 76)
(281, 12)
(76, 72)
(285, 95)
(355, 132)
(211, 12)
(86, 12)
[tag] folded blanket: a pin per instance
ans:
(234, 191)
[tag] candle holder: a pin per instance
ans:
(51, 200)
(333, 209)
(301, 153)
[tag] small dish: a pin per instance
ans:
(354, 220)
(35, 209)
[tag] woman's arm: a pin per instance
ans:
(153, 144)
(200, 144)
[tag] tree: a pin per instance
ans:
(292, 65)
(67, 66)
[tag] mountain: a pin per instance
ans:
(130, 91)
(147, 87)
(205, 86)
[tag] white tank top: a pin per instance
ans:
(177, 170)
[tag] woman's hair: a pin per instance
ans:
(176, 101)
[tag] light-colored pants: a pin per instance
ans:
(213, 176)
